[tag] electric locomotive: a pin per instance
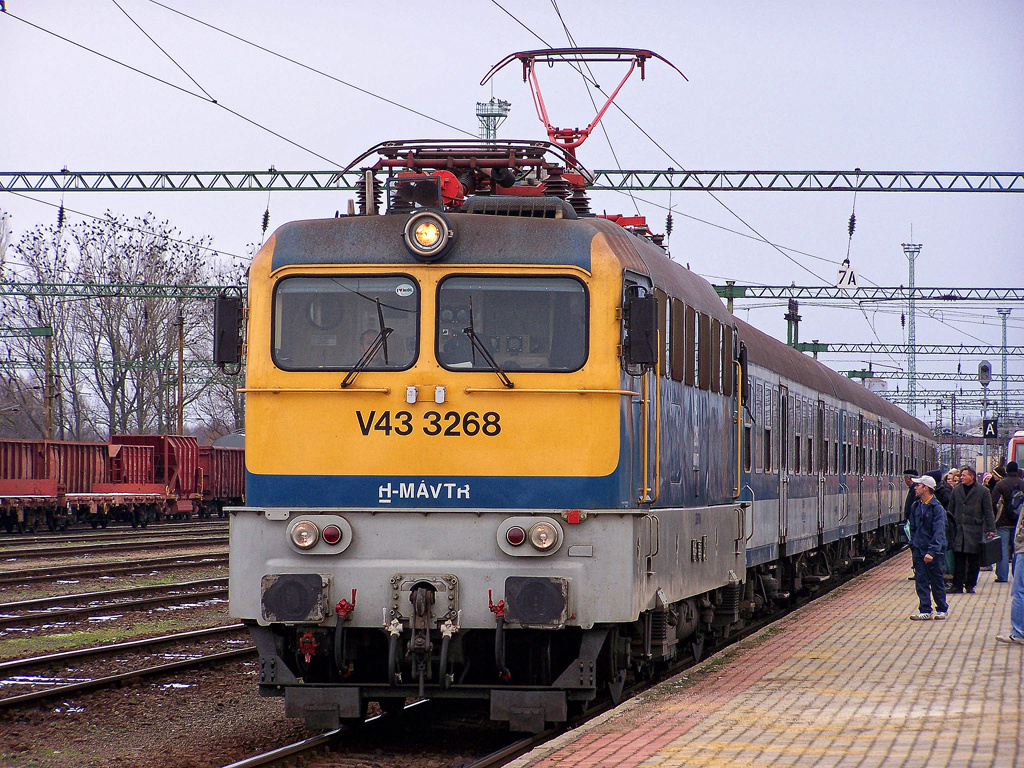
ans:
(499, 448)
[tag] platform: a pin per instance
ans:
(847, 681)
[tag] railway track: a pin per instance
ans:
(126, 531)
(93, 570)
(49, 687)
(50, 610)
(112, 547)
(409, 734)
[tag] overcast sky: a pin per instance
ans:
(883, 86)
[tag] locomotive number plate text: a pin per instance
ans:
(432, 423)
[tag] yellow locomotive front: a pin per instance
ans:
(373, 377)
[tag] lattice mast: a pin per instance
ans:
(491, 114)
(911, 250)
(1003, 410)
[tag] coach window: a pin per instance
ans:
(524, 323)
(704, 350)
(728, 355)
(690, 347)
(329, 323)
(757, 408)
(835, 441)
(715, 347)
(663, 335)
(678, 340)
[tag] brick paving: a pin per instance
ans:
(847, 682)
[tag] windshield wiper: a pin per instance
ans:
(486, 353)
(380, 342)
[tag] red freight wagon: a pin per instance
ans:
(223, 478)
(132, 493)
(175, 466)
(25, 491)
(39, 478)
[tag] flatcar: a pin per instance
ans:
(502, 449)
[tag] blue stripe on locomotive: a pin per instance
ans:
(441, 491)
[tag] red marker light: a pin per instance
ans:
(331, 534)
(515, 535)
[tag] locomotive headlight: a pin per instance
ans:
(543, 536)
(428, 235)
(304, 534)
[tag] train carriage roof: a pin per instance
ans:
(765, 351)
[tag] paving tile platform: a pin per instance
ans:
(847, 681)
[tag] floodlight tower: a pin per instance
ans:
(491, 114)
(911, 250)
(1003, 314)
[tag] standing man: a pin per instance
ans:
(1016, 636)
(971, 508)
(908, 502)
(1007, 490)
(928, 545)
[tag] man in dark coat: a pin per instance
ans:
(908, 502)
(1007, 521)
(971, 508)
(928, 545)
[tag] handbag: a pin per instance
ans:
(991, 549)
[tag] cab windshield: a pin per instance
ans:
(329, 323)
(525, 323)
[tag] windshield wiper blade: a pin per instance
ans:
(477, 344)
(380, 341)
(384, 340)
(486, 353)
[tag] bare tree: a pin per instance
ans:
(115, 359)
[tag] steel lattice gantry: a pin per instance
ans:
(620, 180)
(730, 291)
(118, 290)
(902, 349)
(967, 378)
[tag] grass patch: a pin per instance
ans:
(37, 645)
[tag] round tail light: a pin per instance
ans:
(331, 534)
(515, 535)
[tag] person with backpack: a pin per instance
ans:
(971, 510)
(1009, 491)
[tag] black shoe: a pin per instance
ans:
(954, 590)
(1000, 581)
(969, 591)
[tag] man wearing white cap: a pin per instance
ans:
(928, 546)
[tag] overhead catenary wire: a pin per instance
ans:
(202, 97)
(313, 69)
